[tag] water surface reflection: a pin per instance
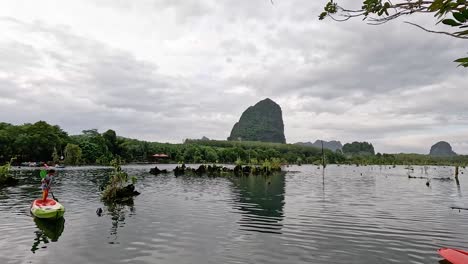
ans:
(118, 212)
(260, 200)
(48, 231)
(363, 215)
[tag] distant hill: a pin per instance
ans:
(331, 145)
(442, 148)
(261, 122)
(196, 139)
(358, 148)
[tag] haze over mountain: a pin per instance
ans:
(442, 148)
(331, 145)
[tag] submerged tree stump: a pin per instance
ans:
(214, 170)
(157, 171)
(9, 181)
(127, 191)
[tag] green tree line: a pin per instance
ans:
(49, 143)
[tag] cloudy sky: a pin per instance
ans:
(165, 70)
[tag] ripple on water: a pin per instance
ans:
(352, 215)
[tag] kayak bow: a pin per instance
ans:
(455, 256)
(49, 209)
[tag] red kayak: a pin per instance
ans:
(455, 256)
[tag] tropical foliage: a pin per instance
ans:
(4, 172)
(5, 177)
(31, 141)
(358, 148)
(92, 147)
(73, 154)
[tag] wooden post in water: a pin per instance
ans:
(323, 164)
(456, 176)
(323, 157)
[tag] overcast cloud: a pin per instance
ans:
(165, 70)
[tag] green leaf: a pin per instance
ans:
(322, 15)
(460, 17)
(436, 5)
(451, 22)
(463, 62)
(465, 14)
(453, 5)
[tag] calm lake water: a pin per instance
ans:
(353, 215)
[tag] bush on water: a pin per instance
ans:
(5, 178)
(118, 187)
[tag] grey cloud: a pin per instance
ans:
(352, 63)
(345, 81)
(15, 53)
(100, 87)
(236, 47)
(185, 11)
(7, 89)
(372, 130)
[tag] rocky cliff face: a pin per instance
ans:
(261, 122)
(442, 148)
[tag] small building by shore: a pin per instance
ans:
(160, 157)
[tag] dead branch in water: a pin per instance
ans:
(458, 208)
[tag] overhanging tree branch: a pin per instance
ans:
(436, 32)
(450, 13)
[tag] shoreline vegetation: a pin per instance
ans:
(5, 178)
(42, 142)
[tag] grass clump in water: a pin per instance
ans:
(118, 187)
(5, 178)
